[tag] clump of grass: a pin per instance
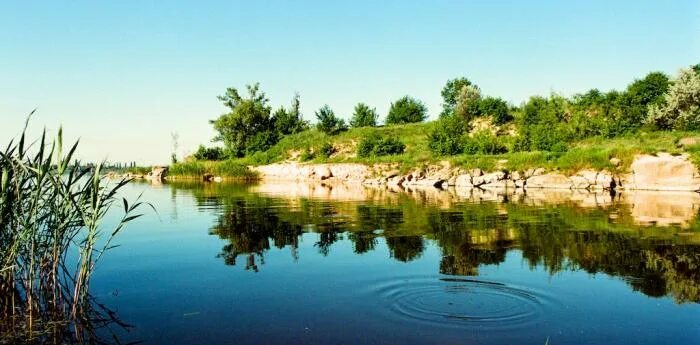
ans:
(228, 168)
(52, 209)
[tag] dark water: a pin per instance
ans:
(231, 264)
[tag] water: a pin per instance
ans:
(270, 264)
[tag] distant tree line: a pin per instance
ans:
(542, 123)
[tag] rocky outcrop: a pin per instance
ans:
(663, 172)
(158, 173)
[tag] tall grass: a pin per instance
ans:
(51, 238)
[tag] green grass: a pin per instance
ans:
(594, 153)
(232, 169)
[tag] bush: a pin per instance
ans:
(680, 108)
(484, 143)
(328, 123)
(306, 155)
(497, 108)
(406, 110)
(448, 137)
(326, 150)
(364, 116)
(209, 153)
(377, 146)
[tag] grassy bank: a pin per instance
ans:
(594, 153)
(229, 169)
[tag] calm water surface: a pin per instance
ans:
(237, 264)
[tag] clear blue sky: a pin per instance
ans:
(123, 75)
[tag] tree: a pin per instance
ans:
(680, 108)
(630, 109)
(364, 116)
(327, 121)
(406, 110)
(247, 119)
(289, 121)
(497, 108)
(467, 103)
(450, 93)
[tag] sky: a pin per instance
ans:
(124, 75)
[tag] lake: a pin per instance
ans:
(295, 263)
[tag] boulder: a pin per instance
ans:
(663, 172)
(615, 161)
(551, 180)
(488, 178)
(463, 180)
(500, 184)
(322, 172)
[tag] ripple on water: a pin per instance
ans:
(463, 302)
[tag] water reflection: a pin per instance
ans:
(648, 240)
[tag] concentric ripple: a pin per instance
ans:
(463, 302)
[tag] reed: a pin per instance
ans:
(51, 238)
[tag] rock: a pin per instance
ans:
(604, 180)
(519, 183)
(663, 172)
(551, 180)
(579, 182)
(217, 179)
(159, 173)
(476, 172)
(516, 176)
(615, 161)
(452, 181)
(499, 184)
(463, 180)
(534, 172)
(322, 172)
(488, 178)
(395, 181)
(688, 142)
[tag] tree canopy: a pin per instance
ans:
(364, 116)
(406, 110)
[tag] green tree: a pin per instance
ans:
(497, 108)
(248, 120)
(327, 121)
(290, 121)
(450, 93)
(364, 116)
(468, 100)
(406, 110)
(449, 136)
(680, 108)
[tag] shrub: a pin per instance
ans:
(450, 93)
(406, 110)
(484, 143)
(307, 155)
(364, 116)
(377, 146)
(326, 150)
(448, 137)
(327, 121)
(681, 104)
(497, 108)
(209, 153)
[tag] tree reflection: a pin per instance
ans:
(562, 237)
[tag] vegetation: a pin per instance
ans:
(472, 129)
(327, 121)
(209, 153)
(377, 146)
(364, 116)
(406, 110)
(51, 238)
(228, 168)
